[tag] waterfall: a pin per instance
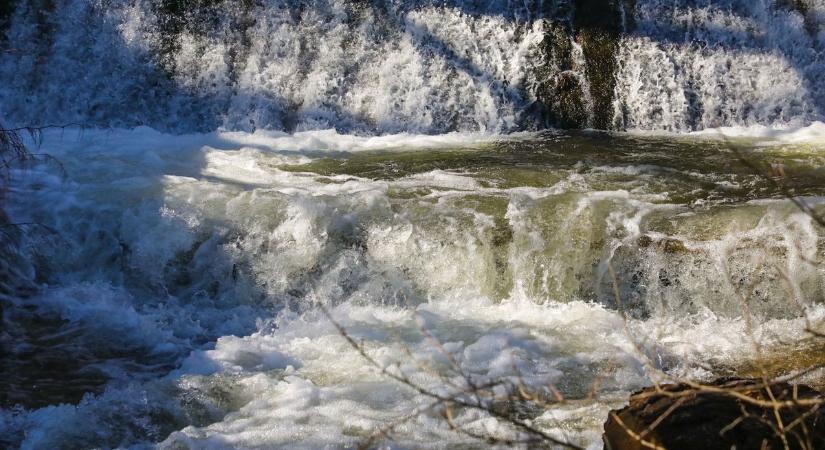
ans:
(238, 173)
(389, 66)
(696, 65)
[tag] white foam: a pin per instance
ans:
(148, 141)
(813, 133)
(332, 141)
(760, 135)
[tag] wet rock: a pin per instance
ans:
(598, 35)
(680, 417)
(672, 246)
(783, 361)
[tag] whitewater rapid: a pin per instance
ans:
(184, 274)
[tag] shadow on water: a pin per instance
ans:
(48, 358)
(106, 314)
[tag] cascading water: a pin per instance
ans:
(709, 64)
(389, 66)
(237, 164)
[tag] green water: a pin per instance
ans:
(687, 169)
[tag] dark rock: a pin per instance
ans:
(680, 417)
(599, 35)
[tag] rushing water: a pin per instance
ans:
(231, 166)
(180, 276)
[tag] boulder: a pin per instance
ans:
(681, 417)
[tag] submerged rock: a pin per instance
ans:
(680, 417)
